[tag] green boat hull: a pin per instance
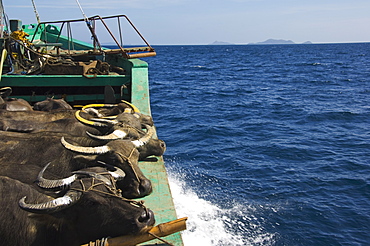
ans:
(160, 201)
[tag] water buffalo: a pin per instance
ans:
(55, 121)
(36, 116)
(15, 104)
(105, 110)
(51, 104)
(145, 144)
(146, 148)
(34, 149)
(126, 126)
(90, 209)
(12, 104)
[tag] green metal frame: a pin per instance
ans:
(50, 34)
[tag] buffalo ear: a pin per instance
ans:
(86, 159)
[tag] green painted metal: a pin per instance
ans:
(64, 80)
(69, 81)
(140, 89)
(160, 201)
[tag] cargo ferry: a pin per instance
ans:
(46, 60)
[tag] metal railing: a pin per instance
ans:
(47, 28)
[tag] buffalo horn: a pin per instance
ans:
(94, 175)
(85, 150)
(57, 204)
(93, 111)
(51, 184)
(143, 140)
(88, 122)
(99, 106)
(117, 134)
(136, 110)
(115, 172)
(107, 121)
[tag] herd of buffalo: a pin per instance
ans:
(68, 176)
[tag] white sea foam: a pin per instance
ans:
(208, 224)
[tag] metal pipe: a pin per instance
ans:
(36, 13)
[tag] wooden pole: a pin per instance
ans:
(160, 230)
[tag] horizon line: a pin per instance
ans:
(259, 44)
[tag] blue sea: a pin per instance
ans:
(266, 144)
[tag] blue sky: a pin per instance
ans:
(206, 21)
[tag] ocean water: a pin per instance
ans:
(266, 145)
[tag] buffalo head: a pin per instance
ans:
(94, 207)
(50, 104)
(122, 154)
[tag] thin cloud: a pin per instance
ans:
(321, 8)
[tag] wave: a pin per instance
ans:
(209, 224)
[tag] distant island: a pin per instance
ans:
(220, 43)
(267, 42)
(278, 41)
